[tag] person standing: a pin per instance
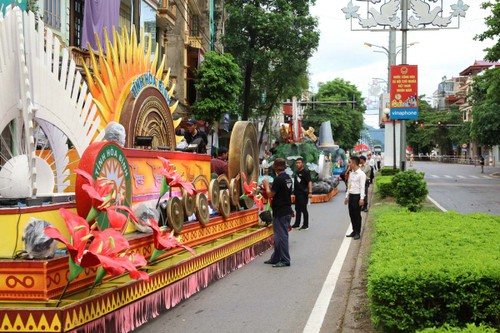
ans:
(481, 162)
(368, 170)
(280, 193)
(379, 161)
(218, 165)
(355, 197)
(303, 193)
(194, 135)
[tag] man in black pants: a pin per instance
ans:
(355, 197)
(303, 192)
(281, 193)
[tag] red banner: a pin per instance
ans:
(404, 92)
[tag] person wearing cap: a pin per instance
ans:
(194, 135)
(355, 197)
(280, 192)
(302, 189)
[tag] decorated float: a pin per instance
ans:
(78, 210)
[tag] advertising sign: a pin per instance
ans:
(404, 92)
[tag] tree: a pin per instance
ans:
(493, 32)
(218, 83)
(444, 128)
(345, 113)
(272, 41)
(485, 127)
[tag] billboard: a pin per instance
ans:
(404, 92)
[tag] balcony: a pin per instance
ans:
(194, 42)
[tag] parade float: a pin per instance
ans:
(54, 160)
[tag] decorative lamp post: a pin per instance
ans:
(392, 15)
(387, 111)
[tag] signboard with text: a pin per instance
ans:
(404, 92)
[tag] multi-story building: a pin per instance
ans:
(180, 27)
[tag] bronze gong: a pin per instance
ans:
(201, 210)
(175, 214)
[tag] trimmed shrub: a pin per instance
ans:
(388, 171)
(471, 328)
(383, 186)
(410, 189)
(430, 269)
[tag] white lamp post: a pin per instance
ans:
(387, 111)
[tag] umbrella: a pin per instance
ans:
(361, 147)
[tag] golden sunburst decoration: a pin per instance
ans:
(113, 75)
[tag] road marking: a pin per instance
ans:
(448, 176)
(318, 312)
(436, 203)
(463, 177)
(475, 177)
(486, 177)
(435, 176)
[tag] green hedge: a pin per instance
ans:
(388, 171)
(384, 187)
(471, 328)
(427, 269)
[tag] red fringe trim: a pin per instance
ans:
(139, 312)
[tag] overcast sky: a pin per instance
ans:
(439, 53)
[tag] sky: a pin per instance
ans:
(341, 53)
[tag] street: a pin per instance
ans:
(463, 188)
(259, 298)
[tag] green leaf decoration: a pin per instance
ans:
(164, 187)
(156, 254)
(74, 269)
(101, 273)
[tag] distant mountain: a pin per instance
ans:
(377, 135)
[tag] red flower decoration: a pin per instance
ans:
(79, 235)
(118, 220)
(165, 241)
(100, 191)
(173, 178)
(109, 248)
(249, 189)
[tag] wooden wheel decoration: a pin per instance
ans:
(234, 189)
(188, 203)
(224, 203)
(213, 193)
(201, 210)
(244, 154)
(175, 214)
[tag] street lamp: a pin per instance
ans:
(387, 111)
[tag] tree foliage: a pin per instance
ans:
(346, 116)
(493, 23)
(271, 41)
(442, 128)
(218, 82)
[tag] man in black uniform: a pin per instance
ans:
(280, 193)
(303, 192)
(194, 135)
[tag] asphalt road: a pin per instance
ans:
(463, 188)
(260, 298)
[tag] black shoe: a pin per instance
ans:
(304, 228)
(269, 262)
(356, 236)
(351, 234)
(281, 264)
(295, 226)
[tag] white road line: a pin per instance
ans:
(446, 176)
(475, 177)
(463, 177)
(486, 177)
(436, 203)
(318, 312)
(435, 176)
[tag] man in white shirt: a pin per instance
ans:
(355, 196)
(372, 161)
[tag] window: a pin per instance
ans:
(52, 13)
(194, 26)
(77, 19)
